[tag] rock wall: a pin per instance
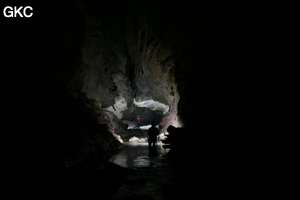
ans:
(82, 65)
(126, 60)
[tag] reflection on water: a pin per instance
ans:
(140, 155)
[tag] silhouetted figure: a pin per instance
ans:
(153, 132)
(173, 138)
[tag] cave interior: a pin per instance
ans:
(78, 74)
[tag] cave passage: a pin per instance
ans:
(84, 79)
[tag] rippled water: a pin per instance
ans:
(149, 174)
(139, 155)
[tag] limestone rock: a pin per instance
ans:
(127, 66)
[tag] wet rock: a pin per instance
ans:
(143, 140)
(134, 139)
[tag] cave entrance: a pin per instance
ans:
(140, 116)
(144, 113)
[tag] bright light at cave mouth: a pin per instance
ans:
(152, 105)
(133, 126)
(146, 127)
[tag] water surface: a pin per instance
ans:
(138, 154)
